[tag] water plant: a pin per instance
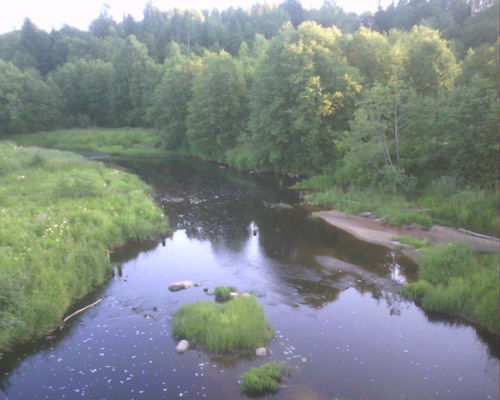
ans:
(453, 279)
(239, 324)
(223, 293)
(60, 217)
(262, 380)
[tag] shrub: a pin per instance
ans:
(236, 325)
(223, 293)
(263, 380)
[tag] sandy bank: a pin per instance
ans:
(373, 231)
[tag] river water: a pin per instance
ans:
(342, 330)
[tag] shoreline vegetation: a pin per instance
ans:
(61, 216)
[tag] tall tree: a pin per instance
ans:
(218, 109)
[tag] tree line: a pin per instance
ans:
(400, 97)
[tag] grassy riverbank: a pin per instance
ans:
(118, 142)
(443, 202)
(60, 216)
(454, 280)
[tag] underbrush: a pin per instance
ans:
(453, 279)
(239, 324)
(442, 202)
(123, 141)
(60, 216)
(265, 379)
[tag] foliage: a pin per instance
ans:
(124, 141)
(217, 110)
(239, 324)
(453, 279)
(27, 103)
(262, 380)
(223, 293)
(61, 215)
(412, 241)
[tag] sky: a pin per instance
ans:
(48, 14)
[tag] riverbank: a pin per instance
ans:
(373, 231)
(453, 277)
(127, 142)
(61, 216)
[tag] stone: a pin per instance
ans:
(182, 346)
(198, 284)
(261, 352)
(176, 286)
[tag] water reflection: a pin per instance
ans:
(341, 325)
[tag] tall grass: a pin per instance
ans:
(236, 325)
(265, 379)
(123, 141)
(60, 215)
(444, 202)
(453, 279)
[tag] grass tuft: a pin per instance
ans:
(266, 379)
(412, 241)
(236, 325)
(223, 293)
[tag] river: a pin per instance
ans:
(342, 330)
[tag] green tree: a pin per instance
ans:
(136, 76)
(218, 109)
(27, 103)
(302, 96)
(169, 108)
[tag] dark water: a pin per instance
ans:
(341, 328)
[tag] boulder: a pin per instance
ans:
(261, 352)
(176, 286)
(182, 346)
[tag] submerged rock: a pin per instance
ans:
(198, 284)
(176, 286)
(182, 346)
(261, 352)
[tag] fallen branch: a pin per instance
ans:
(79, 311)
(477, 234)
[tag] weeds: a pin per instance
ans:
(239, 324)
(223, 293)
(455, 280)
(60, 215)
(412, 241)
(265, 379)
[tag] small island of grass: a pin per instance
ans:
(239, 324)
(262, 380)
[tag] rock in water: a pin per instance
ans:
(176, 286)
(261, 352)
(182, 346)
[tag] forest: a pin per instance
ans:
(397, 99)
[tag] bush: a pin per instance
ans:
(263, 380)
(223, 293)
(236, 325)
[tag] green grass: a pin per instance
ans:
(454, 280)
(60, 216)
(443, 202)
(239, 324)
(266, 379)
(412, 241)
(118, 142)
(223, 293)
